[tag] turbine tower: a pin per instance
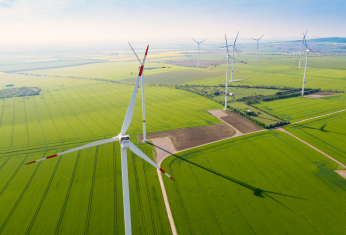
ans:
(228, 56)
(306, 63)
(143, 103)
(257, 44)
(301, 51)
(125, 144)
(198, 49)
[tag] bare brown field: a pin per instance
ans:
(241, 123)
(320, 94)
(202, 63)
(194, 136)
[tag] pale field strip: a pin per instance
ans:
(164, 148)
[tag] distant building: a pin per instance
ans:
(231, 94)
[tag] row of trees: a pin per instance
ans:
(19, 92)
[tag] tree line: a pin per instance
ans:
(19, 92)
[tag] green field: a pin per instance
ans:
(261, 116)
(326, 133)
(264, 183)
(80, 110)
(107, 70)
(300, 108)
(81, 192)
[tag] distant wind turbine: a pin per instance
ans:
(198, 48)
(301, 51)
(125, 144)
(143, 103)
(306, 63)
(228, 56)
(257, 44)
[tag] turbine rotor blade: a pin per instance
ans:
(129, 113)
(236, 38)
(150, 68)
(226, 44)
(261, 37)
(236, 51)
(139, 153)
(202, 41)
(195, 40)
(93, 144)
(135, 54)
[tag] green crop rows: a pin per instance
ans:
(264, 183)
(326, 133)
(300, 108)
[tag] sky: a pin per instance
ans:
(103, 21)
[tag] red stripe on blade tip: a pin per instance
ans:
(141, 71)
(52, 156)
(30, 162)
(172, 178)
(162, 171)
(146, 52)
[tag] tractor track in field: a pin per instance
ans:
(86, 231)
(14, 112)
(181, 203)
(26, 122)
(2, 111)
(51, 117)
(216, 218)
(20, 198)
(62, 114)
(39, 121)
(67, 195)
(149, 197)
(43, 198)
(13, 175)
(139, 192)
(4, 163)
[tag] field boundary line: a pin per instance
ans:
(315, 117)
(311, 146)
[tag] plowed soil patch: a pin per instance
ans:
(320, 94)
(241, 123)
(194, 136)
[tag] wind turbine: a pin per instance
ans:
(198, 48)
(257, 44)
(301, 51)
(143, 103)
(306, 63)
(228, 56)
(125, 144)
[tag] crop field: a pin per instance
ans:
(81, 192)
(107, 70)
(261, 116)
(325, 72)
(92, 111)
(326, 133)
(300, 108)
(78, 193)
(264, 183)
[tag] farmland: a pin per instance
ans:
(264, 183)
(300, 108)
(326, 133)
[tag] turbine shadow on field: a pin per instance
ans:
(256, 191)
(322, 129)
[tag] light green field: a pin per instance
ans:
(325, 72)
(262, 116)
(300, 108)
(264, 183)
(66, 111)
(107, 70)
(326, 133)
(81, 192)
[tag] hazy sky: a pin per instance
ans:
(86, 21)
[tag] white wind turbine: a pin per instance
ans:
(228, 56)
(125, 144)
(301, 51)
(306, 63)
(198, 48)
(143, 103)
(257, 44)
